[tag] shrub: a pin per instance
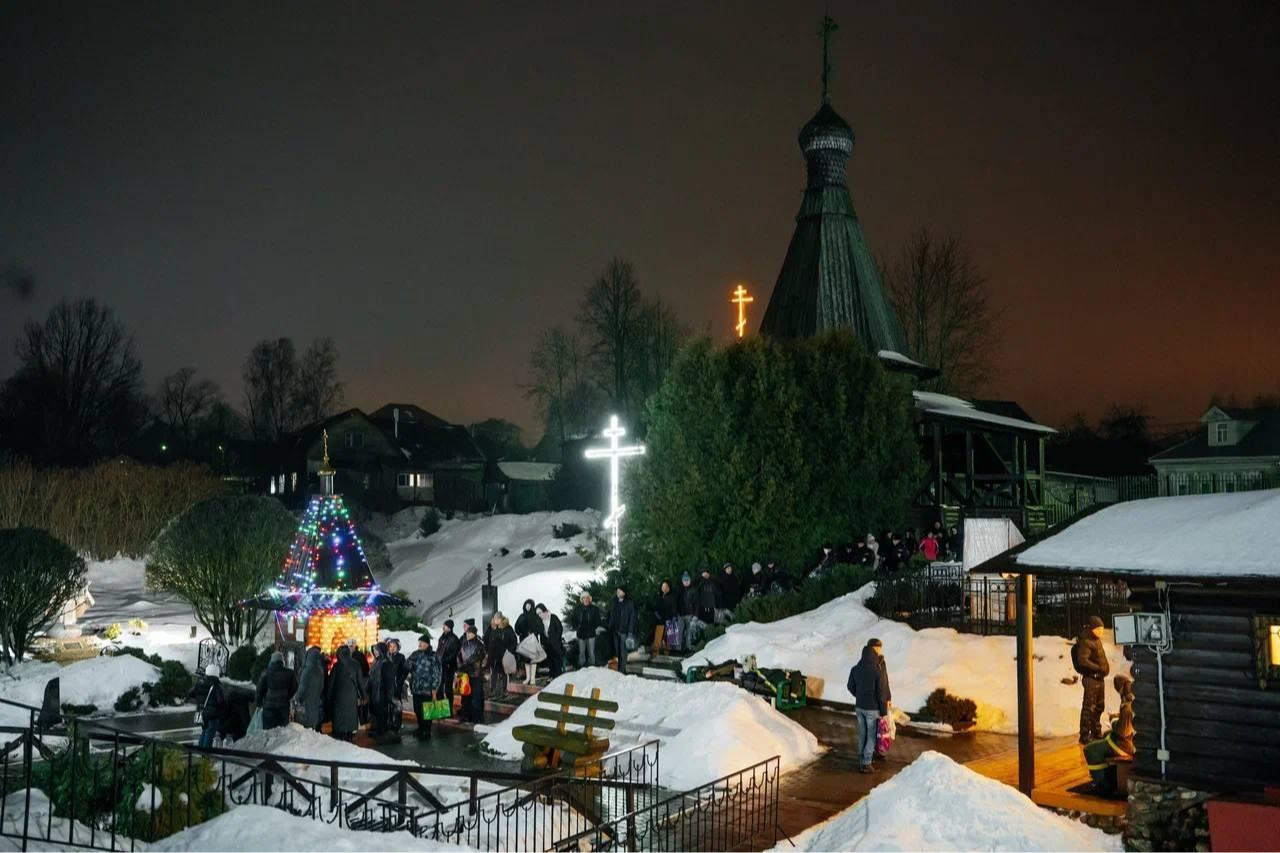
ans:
(811, 593)
(568, 530)
(173, 686)
(376, 553)
(430, 522)
(260, 663)
(112, 632)
(528, 553)
(399, 618)
(240, 663)
(78, 710)
(38, 574)
(128, 701)
(218, 553)
(138, 653)
(953, 710)
(137, 626)
(552, 554)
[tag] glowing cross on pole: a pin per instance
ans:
(741, 299)
(614, 453)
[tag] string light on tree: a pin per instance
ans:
(614, 454)
(740, 298)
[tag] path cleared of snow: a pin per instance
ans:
(706, 730)
(267, 829)
(937, 804)
(94, 681)
(443, 572)
(828, 641)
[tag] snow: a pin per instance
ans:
(145, 798)
(267, 829)
(828, 641)
(890, 355)
(43, 825)
(535, 471)
(445, 570)
(954, 407)
(95, 681)
(706, 730)
(1194, 536)
(937, 804)
(119, 590)
(985, 538)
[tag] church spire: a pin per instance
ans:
(829, 26)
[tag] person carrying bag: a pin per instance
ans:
(426, 675)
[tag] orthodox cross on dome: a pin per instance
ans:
(828, 27)
(740, 298)
(326, 470)
(614, 454)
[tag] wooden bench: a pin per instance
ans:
(550, 746)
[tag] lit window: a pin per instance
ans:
(1273, 646)
(1267, 636)
(1220, 433)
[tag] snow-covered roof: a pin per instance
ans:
(529, 470)
(954, 407)
(1192, 536)
(985, 538)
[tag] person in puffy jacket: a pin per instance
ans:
(275, 691)
(471, 662)
(308, 701)
(585, 621)
(666, 613)
(1090, 660)
(622, 625)
(346, 690)
(500, 640)
(730, 586)
(709, 598)
(426, 676)
(869, 684)
(211, 703)
(382, 689)
(528, 622)
(447, 648)
(929, 546)
(553, 630)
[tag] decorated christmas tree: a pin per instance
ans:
(326, 592)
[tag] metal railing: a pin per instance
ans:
(944, 595)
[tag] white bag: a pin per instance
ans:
(255, 722)
(508, 663)
(531, 649)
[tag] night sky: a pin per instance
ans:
(432, 183)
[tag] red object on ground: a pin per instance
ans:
(1245, 826)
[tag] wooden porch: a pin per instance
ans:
(1059, 767)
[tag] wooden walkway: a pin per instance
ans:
(1059, 767)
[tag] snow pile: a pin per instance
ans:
(444, 571)
(937, 804)
(43, 825)
(1189, 536)
(94, 681)
(706, 730)
(269, 829)
(828, 641)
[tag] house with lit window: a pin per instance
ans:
(1234, 450)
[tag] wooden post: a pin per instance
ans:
(939, 477)
(1026, 690)
(969, 468)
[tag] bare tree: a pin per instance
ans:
(183, 401)
(78, 390)
(658, 337)
(270, 377)
(558, 383)
(945, 310)
(317, 393)
(609, 318)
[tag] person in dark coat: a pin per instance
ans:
(1090, 660)
(758, 583)
(382, 688)
(346, 690)
(211, 703)
(869, 684)
(585, 621)
(401, 664)
(667, 612)
(500, 640)
(709, 598)
(425, 680)
(1102, 756)
(275, 689)
(779, 580)
(730, 586)
(528, 622)
(308, 702)
(622, 625)
(447, 649)
(471, 659)
(687, 608)
(553, 630)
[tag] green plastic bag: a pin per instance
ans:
(436, 709)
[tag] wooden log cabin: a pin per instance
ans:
(1207, 690)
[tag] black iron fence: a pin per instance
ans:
(79, 783)
(944, 595)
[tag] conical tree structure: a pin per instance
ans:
(326, 552)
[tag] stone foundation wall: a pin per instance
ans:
(1165, 817)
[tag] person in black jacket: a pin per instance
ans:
(622, 625)
(1090, 660)
(709, 598)
(211, 703)
(553, 630)
(667, 612)
(869, 684)
(585, 621)
(401, 665)
(382, 688)
(528, 622)
(758, 583)
(687, 607)
(730, 587)
(500, 640)
(471, 660)
(447, 649)
(275, 690)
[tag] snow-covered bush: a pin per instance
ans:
(568, 530)
(129, 701)
(38, 574)
(240, 663)
(430, 522)
(174, 684)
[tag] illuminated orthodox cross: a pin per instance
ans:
(741, 299)
(614, 454)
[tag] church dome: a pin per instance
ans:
(827, 141)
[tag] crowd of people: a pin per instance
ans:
(891, 552)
